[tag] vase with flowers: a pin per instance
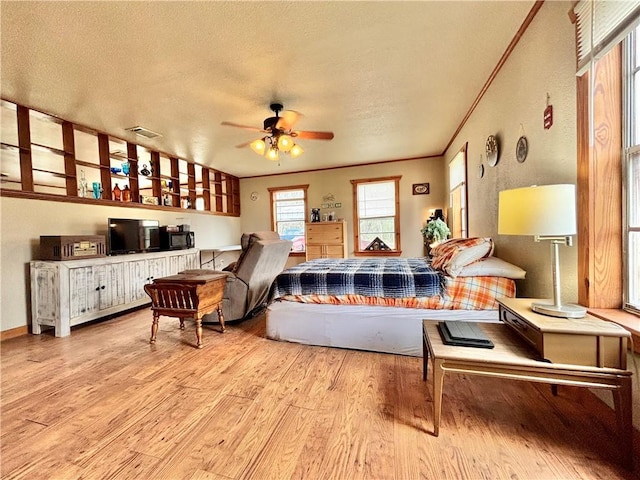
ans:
(434, 232)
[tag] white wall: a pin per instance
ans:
(414, 209)
(542, 63)
(22, 222)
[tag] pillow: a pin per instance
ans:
(451, 255)
(492, 267)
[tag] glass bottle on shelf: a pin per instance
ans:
(97, 190)
(83, 187)
(126, 194)
(117, 193)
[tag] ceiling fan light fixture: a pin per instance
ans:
(296, 151)
(258, 146)
(285, 142)
(272, 153)
(280, 136)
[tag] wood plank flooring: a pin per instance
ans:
(104, 404)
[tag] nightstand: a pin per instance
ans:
(575, 341)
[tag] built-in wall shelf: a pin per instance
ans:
(48, 158)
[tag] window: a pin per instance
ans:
(607, 225)
(288, 213)
(631, 169)
(377, 215)
(458, 194)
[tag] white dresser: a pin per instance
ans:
(71, 292)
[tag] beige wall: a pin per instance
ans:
(542, 62)
(23, 221)
(414, 209)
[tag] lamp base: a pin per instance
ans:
(562, 311)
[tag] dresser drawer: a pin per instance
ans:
(325, 234)
(574, 341)
(527, 331)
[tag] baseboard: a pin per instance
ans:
(13, 333)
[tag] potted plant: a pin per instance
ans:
(434, 232)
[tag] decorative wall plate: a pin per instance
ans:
(491, 150)
(420, 188)
(522, 148)
(254, 196)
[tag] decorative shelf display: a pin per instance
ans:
(46, 157)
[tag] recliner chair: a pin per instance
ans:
(263, 257)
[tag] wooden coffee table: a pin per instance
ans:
(512, 358)
(202, 293)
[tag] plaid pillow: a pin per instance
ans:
(452, 255)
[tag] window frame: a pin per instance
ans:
(356, 218)
(463, 211)
(631, 149)
(273, 201)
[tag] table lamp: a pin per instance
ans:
(546, 212)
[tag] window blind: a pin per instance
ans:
(601, 24)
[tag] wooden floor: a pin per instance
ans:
(103, 403)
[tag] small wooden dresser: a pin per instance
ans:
(326, 240)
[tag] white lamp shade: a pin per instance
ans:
(539, 210)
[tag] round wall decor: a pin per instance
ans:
(491, 150)
(522, 148)
(254, 196)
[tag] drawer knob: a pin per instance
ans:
(523, 326)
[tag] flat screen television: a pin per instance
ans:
(128, 235)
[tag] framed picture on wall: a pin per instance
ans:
(420, 189)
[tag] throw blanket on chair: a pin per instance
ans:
(371, 277)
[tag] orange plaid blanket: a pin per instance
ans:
(462, 293)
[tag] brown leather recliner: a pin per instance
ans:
(263, 257)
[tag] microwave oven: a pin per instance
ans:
(176, 240)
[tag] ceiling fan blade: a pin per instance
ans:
(245, 144)
(247, 127)
(313, 135)
(288, 119)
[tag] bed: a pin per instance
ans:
(378, 304)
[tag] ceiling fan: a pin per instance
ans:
(279, 134)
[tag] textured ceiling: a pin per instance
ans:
(392, 80)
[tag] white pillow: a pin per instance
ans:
(453, 254)
(492, 267)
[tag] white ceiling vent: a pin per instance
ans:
(143, 132)
(118, 154)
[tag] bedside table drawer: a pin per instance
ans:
(575, 341)
(527, 331)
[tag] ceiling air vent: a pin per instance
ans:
(143, 132)
(118, 154)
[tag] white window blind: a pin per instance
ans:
(457, 220)
(289, 214)
(376, 212)
(601, 24)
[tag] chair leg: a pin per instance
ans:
(199, 331)
(221, 318)
(181, 323)
(154, 328)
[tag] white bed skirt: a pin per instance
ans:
(379, 329)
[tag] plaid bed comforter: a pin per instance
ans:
(392, 277)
